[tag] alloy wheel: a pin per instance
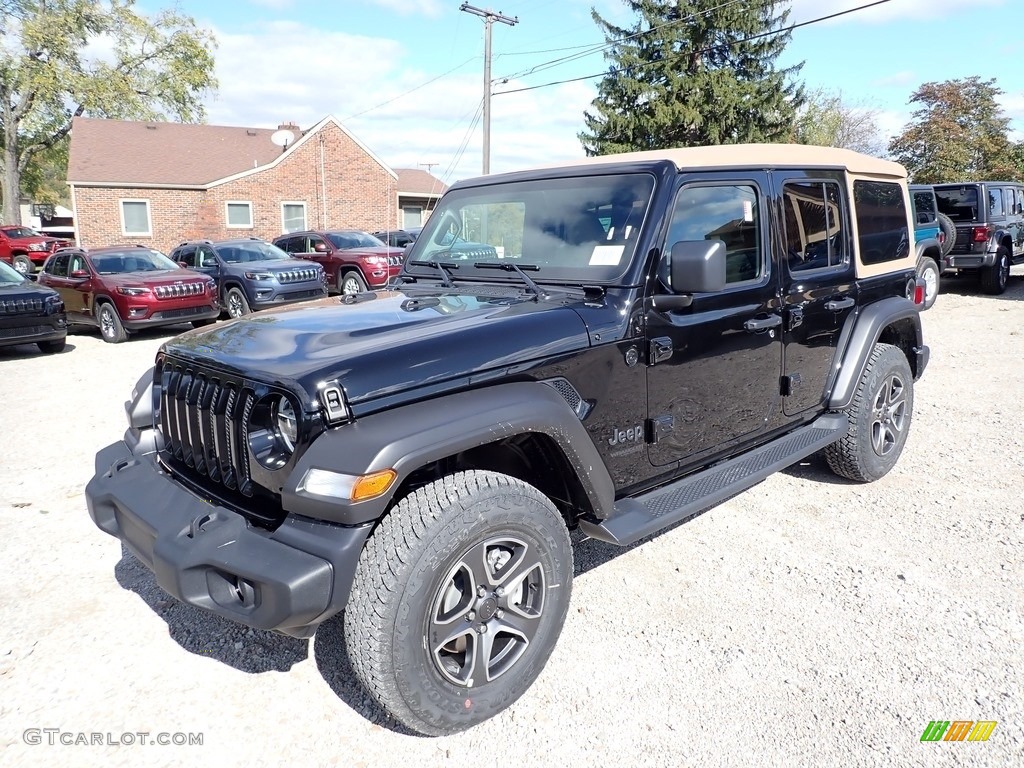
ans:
(888, 415)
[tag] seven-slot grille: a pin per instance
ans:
(204, 418)
(297, 275)
(21, 306)
(177, 290)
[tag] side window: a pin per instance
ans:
(1009, 204)
(881, 221)
(77, 264)
(924, 205)
(814, 225)
(727, 213)
(186, 255)
(995, 203)
(58, 267)
(205, 257)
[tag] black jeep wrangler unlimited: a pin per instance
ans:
(664, 330)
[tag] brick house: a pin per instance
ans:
(160, 183)
(418, 193)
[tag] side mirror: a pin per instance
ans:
(79, 274)
(320, 247)
(183, 265)
(695, 266)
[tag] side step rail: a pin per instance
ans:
(651, 512)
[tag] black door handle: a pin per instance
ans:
(837, 304)
(763, 323)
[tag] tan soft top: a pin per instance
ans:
(764, 156)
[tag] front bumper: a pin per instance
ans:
(289, 580)
(32, 329)
(280, 297)
(175, 316)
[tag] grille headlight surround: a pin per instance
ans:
(274, 427)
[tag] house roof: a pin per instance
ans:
(124, 153)
(413, 181)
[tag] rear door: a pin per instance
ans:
(713, 375)
(819, 290)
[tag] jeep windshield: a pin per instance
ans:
(345, 240)
(959, 202)
(135, 260)
(579, 229)
(244, 253)
(17, 233)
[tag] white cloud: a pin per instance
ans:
(896, 79)
(431, 8)
(805, 10)
(271, 75)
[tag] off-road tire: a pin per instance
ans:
(22, 265)
(879, 418)
(111, 328)
(235, 302)
(993, 279)
(52, 347)
(350, 282)
(928, 271)
(401, 608)
(949, 230)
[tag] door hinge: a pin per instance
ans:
(660, 349)
(789, 384)
(659, 426)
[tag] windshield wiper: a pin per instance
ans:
(440, 266)
(509, 266)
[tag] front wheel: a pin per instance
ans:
(236, 302)
(879, 418)
(111, 328)
(994, 278)
(22, 265)
(351, 282)
(52, 347)
(928, 271)
(459, 597)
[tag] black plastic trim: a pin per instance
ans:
(407, 438)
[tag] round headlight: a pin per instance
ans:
(286, 423)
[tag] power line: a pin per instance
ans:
(790, 28)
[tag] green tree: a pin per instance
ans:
(64, 58)
(827, 119)
(693, 72)
(958, 132)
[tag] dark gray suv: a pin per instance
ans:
(989, 219)
(252, 274)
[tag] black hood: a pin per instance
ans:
(394, 343)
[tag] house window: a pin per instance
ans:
(293, 217)
(238, 214)
(412, 216)
(135, 221)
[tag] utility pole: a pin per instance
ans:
(428, 165)
(489, 18)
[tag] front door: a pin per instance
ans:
(819, 288)
(713, 375)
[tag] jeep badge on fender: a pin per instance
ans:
(411, 462)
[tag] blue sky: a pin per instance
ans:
(406, 76)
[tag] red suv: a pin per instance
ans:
(127, 288)
(25, 249)
(353, 261)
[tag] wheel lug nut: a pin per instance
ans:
(471, 615)
(481, 591)
(500, 591)
(482, 629)
(500, 614)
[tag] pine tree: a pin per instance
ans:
(693, 72)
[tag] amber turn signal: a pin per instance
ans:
(369, 486)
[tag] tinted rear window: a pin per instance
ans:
(959, 203)
(881, 221)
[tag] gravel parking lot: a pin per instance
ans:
(808, 621)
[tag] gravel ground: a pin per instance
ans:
(808, 621)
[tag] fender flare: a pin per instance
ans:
(411, 436)
(867, 330)
(926, 245)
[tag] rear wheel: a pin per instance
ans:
(458, 599)
(351, 282)
(111, 328)
(22, 265)
(879, 418)
(994, 278)
(928, 271)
